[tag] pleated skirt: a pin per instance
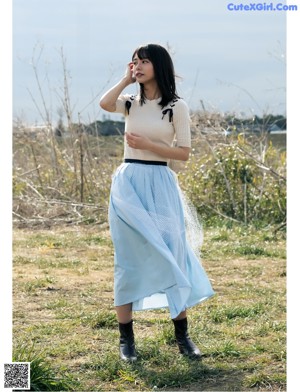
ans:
(154, 263)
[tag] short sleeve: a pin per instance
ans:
(182, 123)
(121, 104)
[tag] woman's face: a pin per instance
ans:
(142, 70)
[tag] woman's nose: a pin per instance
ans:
(138, 65)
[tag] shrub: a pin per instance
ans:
(232, 181)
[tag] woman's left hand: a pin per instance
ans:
(138, 141)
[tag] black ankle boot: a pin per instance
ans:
(127, 348)
(186, 345)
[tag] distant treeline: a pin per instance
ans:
(105, 128)
(96, 128)
(267, 123)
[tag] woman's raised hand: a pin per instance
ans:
(129, 76)
(109, 99)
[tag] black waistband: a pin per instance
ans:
(127, 160)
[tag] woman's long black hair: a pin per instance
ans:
(163, 71)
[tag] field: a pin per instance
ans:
(64, 314)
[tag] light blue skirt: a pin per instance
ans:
(155, 266)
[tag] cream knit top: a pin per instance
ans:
(166, 126)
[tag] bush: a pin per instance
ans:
(63, 179)
(233, 181)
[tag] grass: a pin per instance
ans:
(63, 311)
(42, 376)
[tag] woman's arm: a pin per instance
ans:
(144, 143)
(109, 99)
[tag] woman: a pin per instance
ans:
(155, 266)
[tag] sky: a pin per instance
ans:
(232, 61)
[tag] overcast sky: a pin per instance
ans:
(231, 60)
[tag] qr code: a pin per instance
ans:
(17, 375)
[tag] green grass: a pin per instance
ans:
(42, 375)
(63, 311)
